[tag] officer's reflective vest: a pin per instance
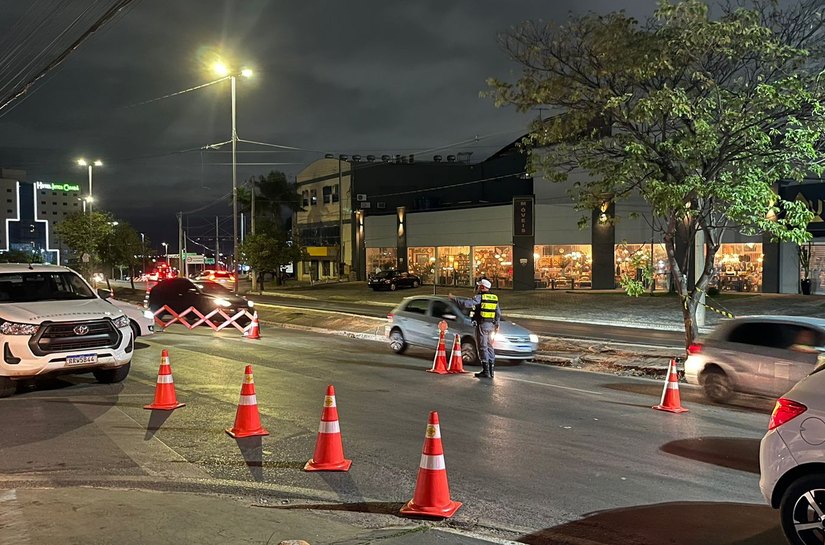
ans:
(489, 302)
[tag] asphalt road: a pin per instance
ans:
(542, 455)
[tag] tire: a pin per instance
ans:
(135, 330)
(469, 352)
(7, 387)
(717, 386)
(393, 287)
(794, 509)
(109, 376)
(415, 283)
(398, 343)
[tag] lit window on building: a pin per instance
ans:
(738, 267)
(454, 266)
(495, 263)
(421, 262)
(633, 259)
(381, 259)
(562, 266)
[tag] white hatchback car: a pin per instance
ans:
(792, 460)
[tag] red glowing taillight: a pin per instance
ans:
(694, 348)
(785, 411)
(390, 317)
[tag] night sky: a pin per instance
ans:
(359, 77)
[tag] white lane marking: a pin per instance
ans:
(554, 386)
(322, 311)
(12, 520)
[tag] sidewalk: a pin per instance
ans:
(139, 517)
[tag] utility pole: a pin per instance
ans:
(181, 266)
(340, 222)
(253, 274)
(217, 246)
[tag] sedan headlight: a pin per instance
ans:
(221, 302)
(121, 321)
(13, 328)
(250, 304)
(534, 338)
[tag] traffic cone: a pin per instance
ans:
(432, 493)
(329, 452)
(670, 395)
(254, 330)
(456, 361)
(247, 419)
(440, 360)
(165, 399)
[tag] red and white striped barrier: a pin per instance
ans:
(201, 319)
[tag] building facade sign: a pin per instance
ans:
(56, 187)
(523, 224)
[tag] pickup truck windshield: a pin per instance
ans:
(42, 286)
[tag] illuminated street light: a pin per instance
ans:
(223, 71)
(165, 250)
(90, 164)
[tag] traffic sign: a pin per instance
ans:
(209, 261)
(194, 259)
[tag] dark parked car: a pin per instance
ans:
(181, 293)
(392, 280)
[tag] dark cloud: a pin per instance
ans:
(344, 77)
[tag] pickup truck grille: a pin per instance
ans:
(71, 336)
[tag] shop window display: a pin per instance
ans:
(381, 259)
(454, 266)
(738, 267)
(421, 262)
(494, 263)
(817, 268)
(631, 257)
(566, 266)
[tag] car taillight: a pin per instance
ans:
(390, 317)
(785, 411)
(694, 348)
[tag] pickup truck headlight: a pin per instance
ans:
(121, 322)
(13, 328)
(534, 338)
(148, 314)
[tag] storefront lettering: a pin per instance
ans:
(523, 216)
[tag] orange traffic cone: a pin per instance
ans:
(456, 361)
(432, 493)
(165, 399)
(254, 330)
(670, 395)
(329, 452)
(440, 361)
(247, 419)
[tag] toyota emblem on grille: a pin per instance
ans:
(81, 329)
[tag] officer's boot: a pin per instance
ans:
(484, 371)
(491, 368)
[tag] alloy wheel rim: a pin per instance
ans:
(808, 517)
(396, 341)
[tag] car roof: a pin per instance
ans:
(29, 267)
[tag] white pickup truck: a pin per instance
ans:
(53, 322)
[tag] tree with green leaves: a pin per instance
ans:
(20, 256)
(269, 250)
(700, 116)
(122, 248)
(83, 233)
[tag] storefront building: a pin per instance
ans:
(451, 223)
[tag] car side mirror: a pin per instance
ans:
(452, 317)
(104, 293)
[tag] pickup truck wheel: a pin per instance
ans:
(135, 330)
(7, 386)
(108, 376)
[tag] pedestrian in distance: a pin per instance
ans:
(486, 319)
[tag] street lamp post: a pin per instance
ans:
(165, 251)
(96, 163)
(143, 252)
(222, 70)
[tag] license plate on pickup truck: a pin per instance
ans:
(81, 359)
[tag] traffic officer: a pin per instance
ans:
(486, 317)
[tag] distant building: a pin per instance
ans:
(31, 210)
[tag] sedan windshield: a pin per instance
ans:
(42, 286)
